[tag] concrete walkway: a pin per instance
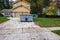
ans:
(53, 28)
(16, 30)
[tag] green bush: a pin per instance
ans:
(51, 10)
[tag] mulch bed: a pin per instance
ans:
(37, 23)
(0, 22)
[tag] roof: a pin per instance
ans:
(6, 10)
(26, 14)
(21, 6)
(19, 1)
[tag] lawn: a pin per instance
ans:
(3, 19)
(48, 22)
(56, 31)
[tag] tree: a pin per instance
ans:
(1, 4)
(46, 3)
(36, 6)
(51, 10)
(4, 4)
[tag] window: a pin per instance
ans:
(28, 6)
(14, 5)
(7, 14)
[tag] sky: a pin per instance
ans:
(13, 0)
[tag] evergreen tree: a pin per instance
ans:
(1, 4)
(36, 6)
(4, 4)
(46, 3)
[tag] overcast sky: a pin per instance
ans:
(13, 0)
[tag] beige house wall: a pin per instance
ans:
(21, 9)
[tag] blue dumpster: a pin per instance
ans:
(26, 18)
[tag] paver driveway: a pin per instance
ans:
(16, 30)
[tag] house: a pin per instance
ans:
(19, 7)
(58, 12)
(6, 12)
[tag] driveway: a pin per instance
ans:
(16, 30)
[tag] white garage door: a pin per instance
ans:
(16, 14)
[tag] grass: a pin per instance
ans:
(48, 22)
(3, 19)
(56, 31)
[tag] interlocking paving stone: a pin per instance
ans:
(16, 30)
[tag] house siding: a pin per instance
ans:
(21, 7)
